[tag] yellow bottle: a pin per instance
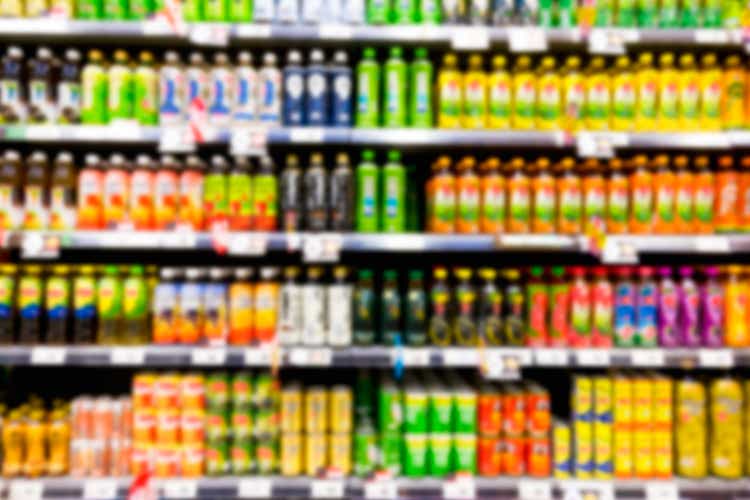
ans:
(449, 93)
(623, 95)
(14, 440)
(500, 94)
(474, 111)
(573, 94)
(36, 444)
(689, 101)
(669, 92)
(735, 306)
(524, 95)
(735, 89)
(711, 88)
(647, 90)
(549, 96)
(598, 102)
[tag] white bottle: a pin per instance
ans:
(340, 309)
(354, 11)
(290, 323)
(172, 109)
(220, 91)
(314, 308)
(311, 11)
(269, 90)
(246, 91)
(264, 11)
(287, 11)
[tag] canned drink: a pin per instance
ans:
(539, 462)
(123, 418)
(340, 453)
(217, 456)
(217, 423)
(583, 408)
(662, 441)
(623, 452)
(166, 460)
(439, 454)
(390, 452)
(242, 390)
(415, 454)
(193, 390)
(141, 458)
(603, 394)
(265, 422)
(166, 391)
(291, 454)
(465, 453)
(440, 410)
(167, 426)
(514, 411)
(643, 401)
(725, 424)
(192, 460)
(144, 425)
(691, 429)
(537, 409)
(266, 455)
(623, 402)
(103, 418)
(316, 453)
(316, 409)
(192, 427)
(663, 404)
(642, 454)
(143, 390)
(82, 417)
(217, 390)
(120, 451)
(415, 409)
(562, 456)
(489, 412)
(291, 409)
(241, 455)
(340, 411)
(263, 391)
(465, 411)
(241, 422)
(79, 459)
(365, 449)
(389, 407)
(513, 460)
(583, 451)
(603, 459)
(489, 454)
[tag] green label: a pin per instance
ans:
(109, 303)
(704, 205)
(94, 98)
(519, 204)
(647, 93)
(57, 296)
(544, 204)
(684, 204)
(642, 204)
(475, 98)
(668, 100)
(500, 101)
(135, 299)
(264, 195)
(120, 92)
(468, 202)
(493, 204)
(617, 206)
(665, 203)
(711, 99)
(549, 98)
(570, 203)
(146, 89)
(215, 194)
(624, 99)
(594, 203)
(445, 204)
(450, 98)
(598, 98)
(689, 99)
(240, 200)
(525, 96)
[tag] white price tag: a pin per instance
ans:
(215, 35)
(100, 489)
(36, 245)
(457, 356)
(534, 489)
(44, 133)
(243, 30)
(254, 488)
(662, 490)
(176, 139)
(180, 488)
(303, 356)
(647, 357)
(501, 366)
(381, 490)
(617, 251)
(306, 135)
(48, 355)
(258, 356)
(248, 244)
(159, 26)
(592, 357)
(712, 244)
(459, 489)
(715, 358)
(588, 490)
(335, 32)
(209, 356)
(470, 38)
(248, 141)
(600, 144)
(26, 490)
(128, 355)
(527, 39)
(712, 36)
(321, 248)
(327, 488)
(551, 357)
(604, 41)
(413, 356)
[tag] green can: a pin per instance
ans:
(217, 423)
(240, 11)
(241, 421)
(241, 389)
(390, 452)
(217, 390)
(265, 421)
(115, 9)
(215, 10)
(365, 448)
(440, 411)
(89, 9)
(140, 9)
(390, 414)
(415, 456)
(192, 10)
(267, 455)
(439, 447)
(217, 457)
(465, 453)
(242, 455)
(263, 390)
(465, 411)
(415, 410)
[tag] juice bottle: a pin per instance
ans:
(109, 306)
(439, 328)
(492, 197)
(624, 96)
(602, 297)
(190, 192)
(642, 189)
(569, 198)
(645, 313)
(743, 210)
(135, 307)
(618, 198)
(467, 196)
(62, 213)
(669, 93)
(289, 324)
(11, 191)
(393, 209)
(90, 189)
(474, 111)
(464, 325)
(549, 96)
(573, 94)
(712, 309)
(341, 189)
(735, 92)
(368, 90)
(449, 93)
(684, 195)
(542, 197)
(594, 198)
(524, 95)
(390, 309)
(164, 307)
(500, 97)
(167, 194)
(146, 90)
(215, 191)
(441, 198)
(315, 184)
(264, 196)
(14, 441)
(141, 209)
(394, 90)
(94, 87)
(537, 308)
(688, 311)
(57, 304)
(216, 307)
(688, 108)
(727, 191)
(519, 199)
(736, 300)
(191, 313)
(84, 306)
(598, 102)
(559, 302)
(239, 194)
(514, 309)
(36, 444)
(668, 308)
(368, 194)
(579, 331)
(30, 305)
(35, 191)
(664, 192)
(41, 87)
(421, 99)
(363, 309)
(625, 300)
(647, 92)
(116, 192)
(711, 80)
(704, 189)
(416, 310)
(120, 92)
(241, 301)
(490, 309)
(8, 281)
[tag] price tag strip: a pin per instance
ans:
(209, 356)
(662, 490)
(592, 357)
(255, 488)
(327, 488)
(37, 245)
(600, 144)
(551, 357)
(381, 489)
(460, 488)
(470, 38)
(210, 34)
(248, 244)
(26, 490)
(180, 488)
(588, 490)
(527, 39)
(533, 489)
(647, 357)
(131, 356)
(48, 355)
(321, 248)
(100, 489)
(248, 141)
(716, 358)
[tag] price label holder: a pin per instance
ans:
(158, 26)
(662, 490)
(652, 358)
(534, 489)
(715, 358)
(210, 34)
(245, 140)
(527, 39)
(459, 488)
(26, 490)
(180, 488)
(500, 365)
(48, 355)
(711, 36)
(302, 356)
(411, 356)
(44, 133)
(258, 356)
(321, 248)
(248, 244)
(306, 135)
(611, 41)
(588, 490)
(592, 357)
(327, 488)
(457, 356)
(38, 245)
(470, 38)
(259, 487)
(176, 139)
(208, 356)
(100, 489)
(335, 32)
(551, 357)
(381, 489)
(131, 356)
(252, 30)
(619, 251)
(712, 244)
(600, 144)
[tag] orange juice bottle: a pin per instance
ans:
(664, 192)
(492, 197)
(743, 211)
(726, 201)
(58, 433)
(642, 191)
(618, 198)
(36, 445)
(467, 196)
(90, 199)
(735, 94)
(241, 302)
(441, 198)
(594, 198)
(266, 304)
(569, 198)
(116, 192)
(542, 197)
(684, 195)
(142, 194)
(704, 189)
(736, 332)
(14, 437)
(518, 198)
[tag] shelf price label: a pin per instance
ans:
(527, 39)
(248, 141)
(647, 357)
(100, 489)
(588, 490)
(470, 38)
(257, 487)
(500, 365)
(26, 490)
(327, 488)
(209, 356)
(248, 244)
(534, 489)
(600, 144)
(592, 357)
(258, 356)
(321, 248)
(180, 488)
(127, 355)
(551, 357)
(307, 135)
(411, 356)
(335, 31)
(460, 488)
(48, 355)
(176, 139)
(36, 245)
(711, 36)
(662, 490)
(211, 34)
(460, 356)
(381, 489)
(715, 358)
(302, 356)
(611, 41)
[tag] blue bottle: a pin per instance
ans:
(316, 90)
(341, 91)
(294, 90)
(646, 312)
(625, 299)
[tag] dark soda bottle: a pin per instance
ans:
(57, 305)
(7, 299)
(464, 322)
(84, 306)
(30, 305)
(290, 199)
(416, 310)
(342, 195)
(316, 194)
(439, 330)
(363, 313)
(390, 309)
(490, 309)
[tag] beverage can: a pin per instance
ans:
(217, 390)
(340, 453)
(489, 455)
(242, 455)
(513, 460)
(217, 457)
(514, 411)
(316, 453)
(340, 412)
(537, 406)
(316, 409)
(489, 412)
(415, 454)
(266, 455)
(415, 409)
(562, 454)
(291, 454)
(391, 444)
(539, 456)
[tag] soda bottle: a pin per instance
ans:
(573, 94)
(87, 10)
(84, 305)
(294, 89)
(109, 306)
(221, 87)
(642, 188)
(62, 213)
(519, 198)
(705, 193)
(172, 95)
(216, 307)
(317, 92)
(340, 294)
(403, 12)
(264, 11)
(341, 85)
(727, 190)
(514, 308)
(669, 14)
(390, 310)
(190, 192)
(164, 307)
(549, 95)
(264, 195)
(368, 89)
(245, 97)
(474, 111)
(598, 103)
(290, 195)
(581, 301)
(239, 195)
(569, 199)
(7, 300)
(270, 90)
(135, 307)
(196, 83)
(735, 92)
(524, 95)
(363, 309)
(467, 196)
(315, 182)
(30, 305)
(624, 97)
(116, 192)
(95, 85)
(684, 194)
(450, 99)
(618, 198)
(429, 12)
(367, 219)
(146, 90)
(215, 10)
(537, 308)
(35, 192)
(743, 205)
(341, 191)
(689, 309)
(664, 196)
(420, 85)
(415, 320)
(711, 82)
(394, 90)
(115, 9)
(241, 304)
(141, 207)
(41, 87)
(625, 304)
(215, 200)
(500, 98)
(542, 197)
(11, 87)
(594, 198)
(191, 311)
(90, 194)
(439, 330)
(464, 321)
(167, 194)
(69, 88)
(668, 309)
(647, 92)
(120, 93)
(669, 93)
(712, 309)
(313, 308)
(240, 11)
(492, 199)
(441, 198)
(393, 207)
(288, 11)
(57, 305)
(289, 326)
(559, 304)
(646, 308)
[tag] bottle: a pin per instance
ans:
(467, 196)
(363, 309)
(215, 199)
(264, 195)
(90, 194)
(519, 198)
(216, 307)
(368, 194)
(290, 323)
(415, 314)
(240, 11)
(712, 309)
(266, 305)
(355, 12)
(573, 94)
(11, 191)
(288, 11)
(474, 112)
(664, 196)
(109, 306)
(35, 192)
(269, 96)
(642, 188)
(602, 320)
(559, 305)
(62, 211)
(84, 306)
(439, 330)
(341, 85)
(618, 198)
(241, 300)
(500, 98)
(711, 87)
(647, 92)
(390, 310)
(704, 187)
(645, 312)
(173, 99)
(215, 10)
(514, 310)
(120, 92)
(743, 197)
(264, 11)
(464, 321)
(689, 309)
(543, 201)
(290, 195)
(669, 93)
(340, 296)
(684, 194)
(569, 199)
(594, 198)
(95, 87)
(735, 92)
(668, 309)
(294, 89)
(41, 88)
(537, 308)
(167, 195)
(393, 207)
(669, 14)
(57, 305)
(69, 88)
(598, 98)
(317, 92)
(549, 95)
(490, 309)
(727, 190)
(189, 191)
(735, 312)
(221, 87)
(115, 9)
(624, 95)
(141, 189)
(239, 195)
(315, 182)
(341, 191)
(164, 307)
(313, 308)
(441, 198)
(191, 312)
(524, 95)
(403, 12)
(449, 93)
(625, 308)
(135, 308)
(146, 91)
(368, 88)
(30, 305)
(420, 86)
(579, 331)
(12, 109)
(196, 83)
(394, 90)
(245, 105)
(116, 192)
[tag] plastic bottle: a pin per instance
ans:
(642, 189)
(524, 95)
(84, 306)
(11, 191)
(711, 81)
(500, 98)
(492, 200)
(62, 211)
(647, 83)
(684, 193)
(90, 199)
(727, 195)
(341, 189)
(403, 12)
(543, 200)
(368, 89)
(549, 95)
(191, 312)
(30, 305)
(141, 199)
(192, 10)
(355, 11)
(368, 194)
(474, 111)
(390, 310)
(393, 207)
(668, 309)
(116, 200)
(221, 87)
(689, 309)
(294, 89)
(420, 90)
(40, 93)
(429, 12)
(602, 313)
(464, 320)
(705, 193)
(145, 90)
(598, 98)
(665, 183)
(290, 195)
(743, 201)
(69, 88)
(215, 200)
(712, 309)
(618, 198)
(341, 85)
(168, 196)
(569, 199)
(120, 93)
(317, 93)
(94, 83)
(377, 11)
(264, 11)
(625, 308)
(316, 184)
(239, 195)
(449, 93)
(172, 97)
(594, 198)
(735, 94)
(363, 309)
(85, 9)
(669, 14)
(646, 308)
(467, 196)
(57, 305)
(115, 9)
(135, 307)
(626, 14)
(519, 198)
(241, 301)
(245, 106)
(35, 190)
(537, 308)
(514, 310)
(216, 307)
(340, 294)
(604, 14)
(269, 96)
(109, 306)
(489, 309)
(624, 96)
(264, 196)
(559, 305)
(394, 90)
(581, 302)
(573, 95)
(240, 11)
(736, 318)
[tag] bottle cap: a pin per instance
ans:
(394, 156)
(245, 58)
(316, 56)
(340, 58)
(269, 59)
(368, 155)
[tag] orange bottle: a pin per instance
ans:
(726, 198)
(743, 211)
(594, 198)
(116, 202)
(166, 194)
(190, 182)
(266, 304)
(191, 313)
(467, 196)
(90, 199)
(519, 198)
(492, 201)
(542, 197)
(618, 198)
(142, 194)
(664, 195)
(241, 301)
(684, 196)
(441, 198)
(642, 192)
(704, 189)
(569, 198)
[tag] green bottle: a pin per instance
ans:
(390, 309)
(140, 9)
(545, 14)
(215, 10)
(192, 10)
(109, 306)
(95, 86)
(368, 90)
(393, 203)
(712, 12)
(731, 14)
(626, 13)
(412, 200)
(115, 9)
(215, 197)
(89, 9)
(264, 195)
(146, 89)
(669, 14)
(690, 15)
(240, 11)
(429, 12)
(403, 11)
(239, 195)
(566, 14)
(420, 102)
(604, 13)
(135, 308)
(394, 90)
(415, 322)
(377, 11)
(363, 308)
(648, 11)
(368, 194)
(120, 93)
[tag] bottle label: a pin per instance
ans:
(570, 201)
(668, 99)
(339, 311)
(624, 313)
(646, 314)
(549, 99)
(575, 100)
(493, 203)
(220, 93)
(598, 99)
(392, 201)
(704, 203)
(445, 203)
(313, 301)
(647, 94)
(84, 297)
(665, 202)
(240, 202)
(500, 98)
(594, 202)
(625, 99)
(519, 201)
(711, 99)
(57, 298)
(246, 108)
(6, 296)
(35, 212)
(475, 104)
(544, 201)
(215, 307)
(525, 96)
(580, 310)
(135, 298)
(450, 99)
(109, 303)
(689, 98)
(618, 202)
(602, 309)
(30, 297)
(537, 303)
(642, 203)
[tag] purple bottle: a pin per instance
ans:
(712, 309)
(689, 309)
(668, 299)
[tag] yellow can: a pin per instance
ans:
(623, 402)
(691, 429)
(603, 399)
(603, 466)
(316, 453)
(316, 409)
(582, 403)
(561, 450)
(340, 452)
(662, 398)
(726, 428)
(642, 401)
(584, 453)
(661, 442)
(340, 410)
(291, 454)
(623, 452)
(291, 408)
(643, 453)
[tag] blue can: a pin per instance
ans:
(341, 91)
(316, 87)
(294, 90)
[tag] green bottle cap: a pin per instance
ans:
(368, 155)
(415, 274)
(390, 274)
(369, 53)
(396, 52)
(420, 53)
(558, 271)
(136, 270)
(537, 271)
(112, 270)
(365, 274)
(394, 155)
